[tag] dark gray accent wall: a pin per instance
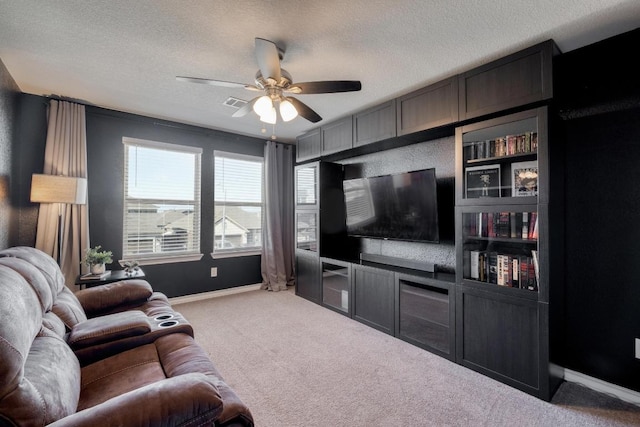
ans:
(438, 154)
(8, 115)
(599, 104)
(31, 137)
(105, 157)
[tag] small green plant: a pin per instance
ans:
(94, 256)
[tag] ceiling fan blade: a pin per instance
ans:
(246, 109)
(334, 86)
(304, 111)
(217, 83)
(268, 59)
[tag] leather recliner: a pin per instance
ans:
(166, 380)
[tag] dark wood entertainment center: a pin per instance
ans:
(500, 321)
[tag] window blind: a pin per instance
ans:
(161, 200)
(238, 183)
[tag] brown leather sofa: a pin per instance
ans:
(113, 355)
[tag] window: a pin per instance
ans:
(161, 202)
(237, 203)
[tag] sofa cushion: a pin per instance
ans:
(119, 374)
(44, 262)
(21, 322)
(67, 307)
(34, 277)
(40, 375)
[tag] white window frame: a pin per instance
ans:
(164, 257)
(238, 252)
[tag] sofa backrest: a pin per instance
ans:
(39, 374)
(64, 303)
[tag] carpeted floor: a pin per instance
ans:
(295, 363)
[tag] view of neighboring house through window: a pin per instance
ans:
(237, 203)
(161, 201)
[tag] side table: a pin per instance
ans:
(115, 276)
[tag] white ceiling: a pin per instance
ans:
(124, 55)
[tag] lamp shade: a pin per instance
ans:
(287, 110)
(263, 105)
(58, 189)
(269, 116)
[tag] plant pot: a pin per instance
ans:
(97, 269)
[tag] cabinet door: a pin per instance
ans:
(336, 285)
(512, 81)
(309, 145)
(306, 186)
(500, 337)
(427, 108)
(503, 160)
(337, 136)
(375, 124)
(425, 313)
(308, 276)
(373, 297)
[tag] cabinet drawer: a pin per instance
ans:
(425, 316)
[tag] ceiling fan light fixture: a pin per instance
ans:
(263, 105)
(287, 111)
(269, 117)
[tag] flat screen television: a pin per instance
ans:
(401, 206)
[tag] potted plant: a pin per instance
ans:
(95, 259)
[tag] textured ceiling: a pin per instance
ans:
(124, 55)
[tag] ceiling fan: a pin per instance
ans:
(277, 85)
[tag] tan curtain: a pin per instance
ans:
(277, 263)
(65, 154)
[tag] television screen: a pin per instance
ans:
(400, 207)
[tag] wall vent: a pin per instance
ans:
(234, 102)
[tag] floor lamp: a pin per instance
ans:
(61, 190)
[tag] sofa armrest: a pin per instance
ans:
(108, 297)
(186, 400)
(108, 328)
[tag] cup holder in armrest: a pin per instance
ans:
(163, 317)
(168, 323)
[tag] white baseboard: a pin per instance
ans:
(213, 294)
(602, 386)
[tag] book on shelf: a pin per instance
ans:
(502, 269)
(503, 225)
(91, 276)
(536, 268)
(501, 146)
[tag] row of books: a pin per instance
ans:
(508, 145)
(515, 271)
(514, 225)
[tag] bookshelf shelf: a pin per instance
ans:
(504, 159)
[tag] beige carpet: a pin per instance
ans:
(295, 363)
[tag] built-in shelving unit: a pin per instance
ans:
(494, 314)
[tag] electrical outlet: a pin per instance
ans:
(637, 348)
(214, 271)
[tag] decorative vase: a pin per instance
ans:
(97, 269)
